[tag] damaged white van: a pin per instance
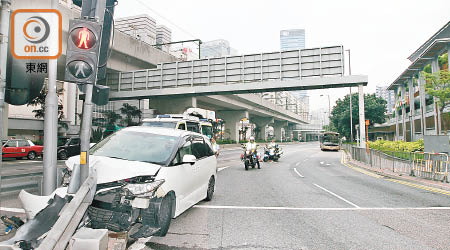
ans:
(146, 176)
(149, 175)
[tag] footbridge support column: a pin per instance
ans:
(278, 128)
(173, 105)
(232, 121)
(261, 123)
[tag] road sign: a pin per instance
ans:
(83, 48)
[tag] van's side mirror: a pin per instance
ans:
(189, 159)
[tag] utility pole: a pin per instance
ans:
(50, 125)
(4, 31)
(351, 115)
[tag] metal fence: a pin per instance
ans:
(434, 166)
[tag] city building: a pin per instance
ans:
(294, 39)
(415, 114)
(387, 95)
(141, 27)
(163, 35)
(217, 48)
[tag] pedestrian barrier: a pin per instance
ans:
(431, 165)
(427, 165)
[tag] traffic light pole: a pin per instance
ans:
(4, 31)
(85, 133)
(50, 126)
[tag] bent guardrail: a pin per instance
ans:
(58, 237)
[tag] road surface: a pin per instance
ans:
(309, 200)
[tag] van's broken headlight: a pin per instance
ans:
(143, 189)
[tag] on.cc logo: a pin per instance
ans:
(36, 29)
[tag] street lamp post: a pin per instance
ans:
(351, 116)
(329, 108)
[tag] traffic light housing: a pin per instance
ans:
(83, 48)
(24, 78)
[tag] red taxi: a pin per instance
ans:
(19, 148)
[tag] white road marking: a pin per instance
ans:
(335, 195)
(12, 209)
(298, 164)
(321, 208)
(322, 162)
(222, 168)
(295, 170)
(328, 164)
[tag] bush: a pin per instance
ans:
(397, 146)
(38, 142)
(226, 141)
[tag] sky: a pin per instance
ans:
(380, 34)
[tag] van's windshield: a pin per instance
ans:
(207, 130)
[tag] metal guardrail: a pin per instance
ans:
(433, 166)
(58, 237)
(12, 184)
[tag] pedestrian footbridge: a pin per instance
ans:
(224, 84)
(314, 68)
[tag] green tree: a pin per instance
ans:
(130, 112)
(111, 118)
(97, 135)
(438, 86)
(374, 110)
(40, 103)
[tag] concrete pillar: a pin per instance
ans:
(423, 104)
(437, 113)
(403, 92)
(173, 105)
(278, 129)
(397, 132)
(262, 123)
(362, 118)
(232, 121)
(411, 109)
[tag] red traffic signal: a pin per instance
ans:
(83, 38)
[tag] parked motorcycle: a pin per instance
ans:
(272, 153)
(250, 159)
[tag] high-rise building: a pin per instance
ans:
(387, 95)
(217, 48)
(163, 35)
(292, 39)
(141, 27)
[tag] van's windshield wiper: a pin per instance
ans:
(154, 162)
